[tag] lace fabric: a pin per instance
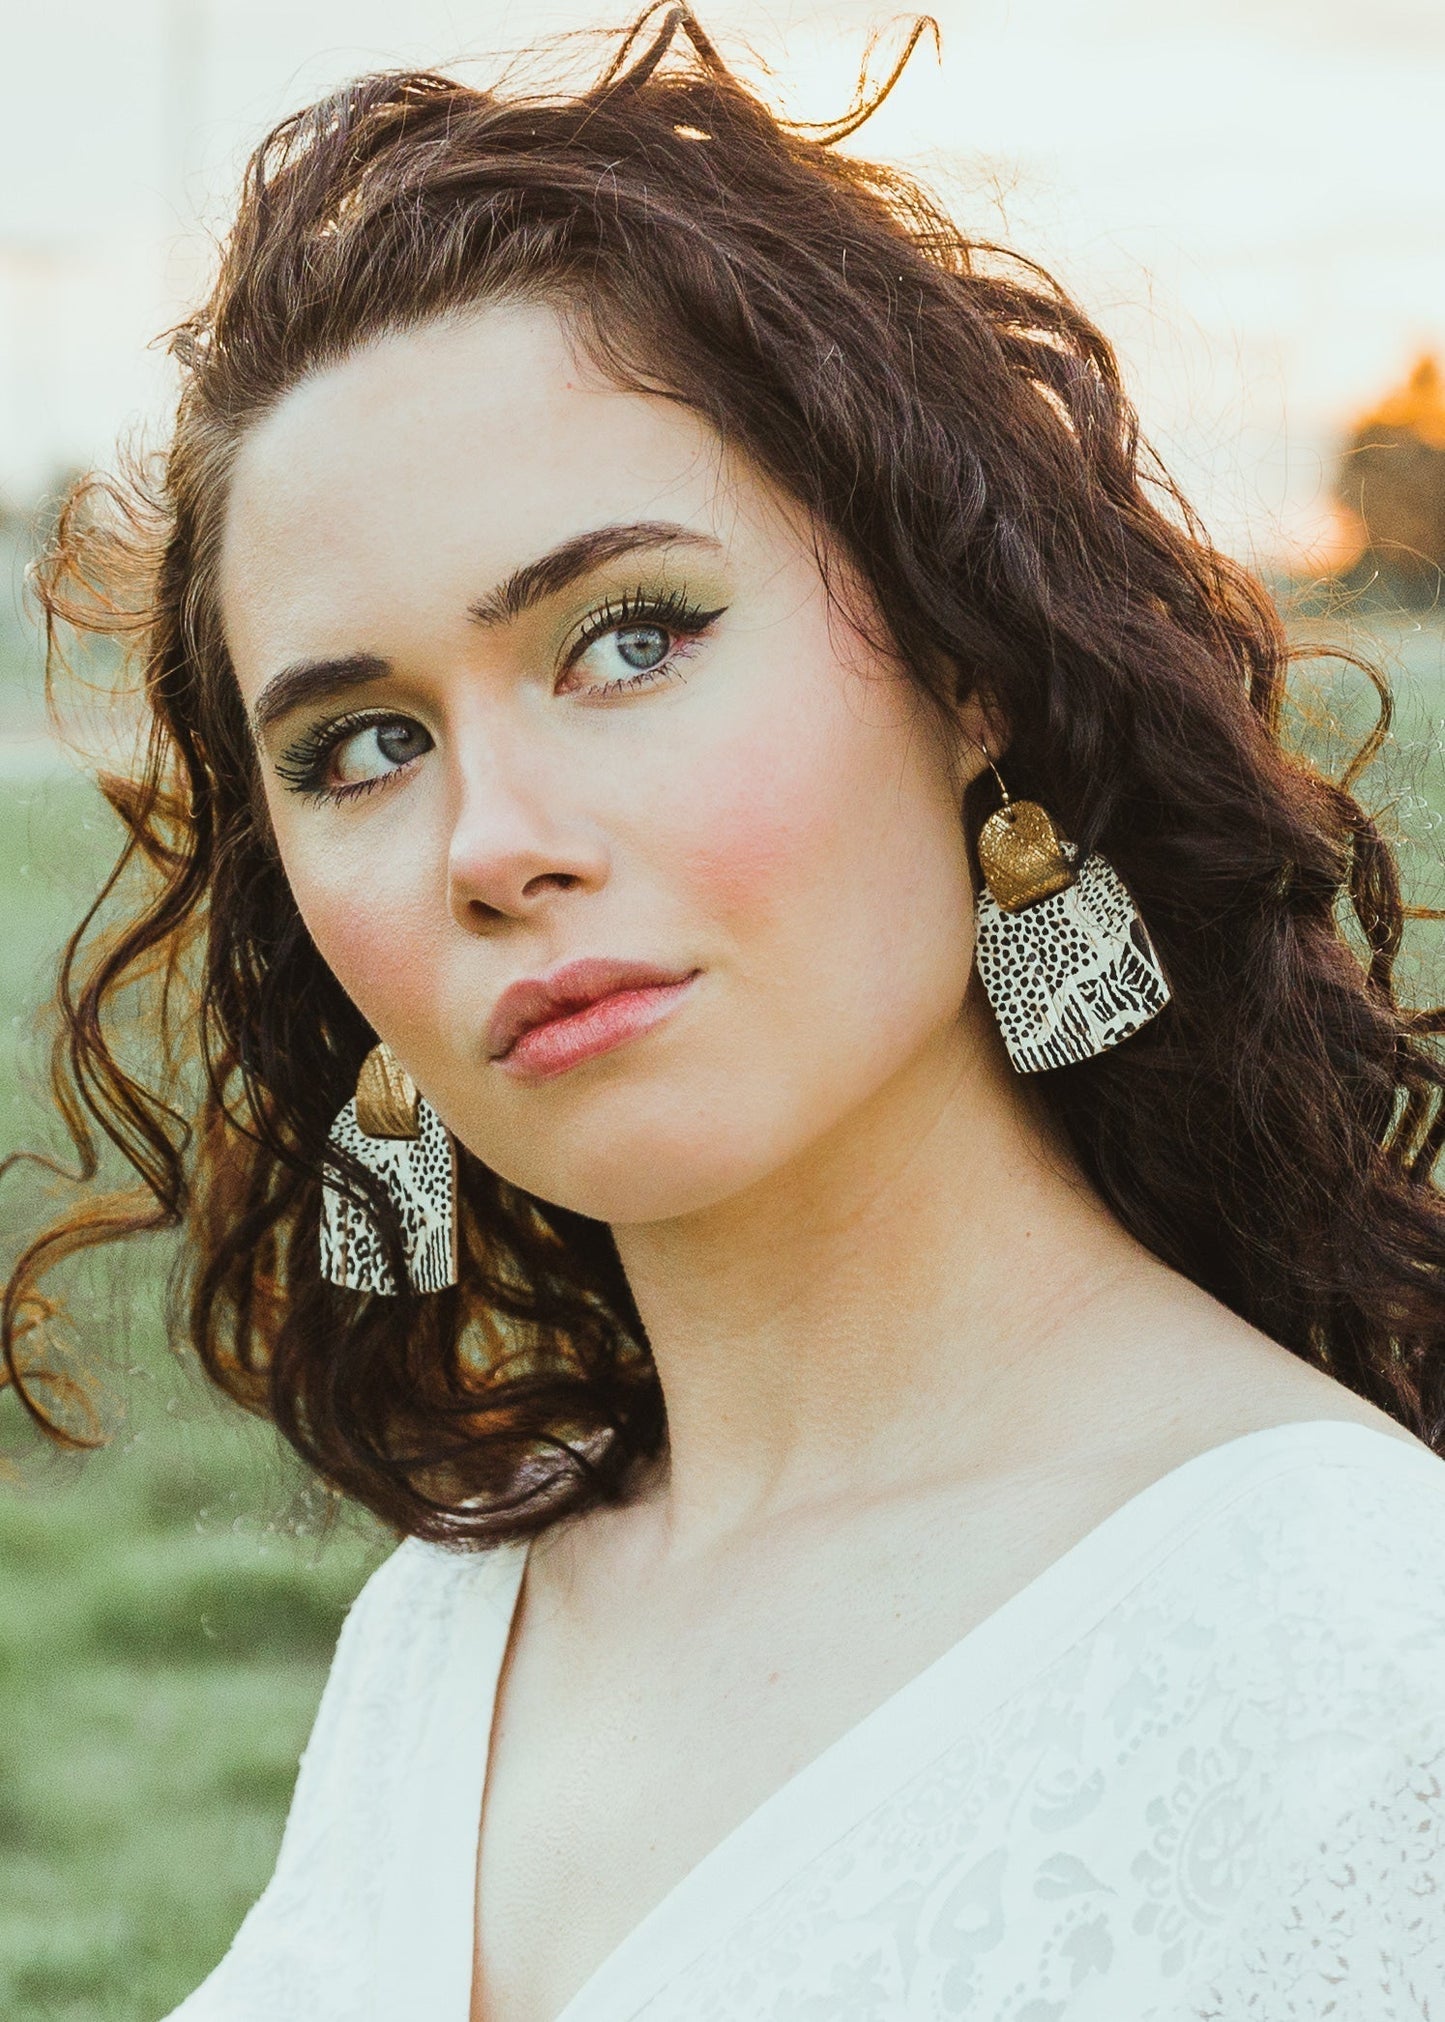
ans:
(1194, 1773)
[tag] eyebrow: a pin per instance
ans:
(310, 681)
(557, 570)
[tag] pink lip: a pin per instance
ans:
(543, 1025)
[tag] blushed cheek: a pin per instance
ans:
(828, 848)
(751, 828)
(811, 813)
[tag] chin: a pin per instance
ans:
(657, 1190)
(641, 1174)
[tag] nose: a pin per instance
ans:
(518, 840)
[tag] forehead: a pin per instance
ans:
(460, 448)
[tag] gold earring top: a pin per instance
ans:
(1021, 853)
(387, 1099)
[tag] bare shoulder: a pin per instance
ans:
(1195, 1375)
(1278, 1386)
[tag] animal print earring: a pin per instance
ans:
(1066, 961)
(390, 1128)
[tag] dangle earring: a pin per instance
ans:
(390, 1128)
(1066, 960)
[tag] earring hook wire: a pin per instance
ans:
(988, 760)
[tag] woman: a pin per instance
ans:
(635, 598)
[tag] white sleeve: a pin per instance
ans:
(1345, 1912)
(302, 1953)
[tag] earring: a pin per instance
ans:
(390, 1128)
(1066, 960)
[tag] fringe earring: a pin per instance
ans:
(390, 1128)
(1063, 955)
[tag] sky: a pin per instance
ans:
(1248, 195)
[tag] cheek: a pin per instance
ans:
(756, 809)
(744, 830)
(825, 821)
(376, 933)
(827, 845)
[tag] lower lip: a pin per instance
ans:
(545, 1050)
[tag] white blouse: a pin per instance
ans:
(1195, 1769)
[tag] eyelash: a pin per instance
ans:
(673, 612)
(302, 765)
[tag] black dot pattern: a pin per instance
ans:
(1072, 975)
(420, 1175)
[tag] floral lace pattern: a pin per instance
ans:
(1222, 1799)
(1227, 1801)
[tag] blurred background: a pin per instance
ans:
(1249, 195)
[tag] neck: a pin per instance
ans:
(882, 1299)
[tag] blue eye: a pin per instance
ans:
(636, 640)
(351, 755)
(375, 750)
(642, 645)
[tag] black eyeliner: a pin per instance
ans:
(301, 766)
(674, 610)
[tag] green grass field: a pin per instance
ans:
(167, 1607)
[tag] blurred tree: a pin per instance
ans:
(1392, 483)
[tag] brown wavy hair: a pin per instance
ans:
(956, 426)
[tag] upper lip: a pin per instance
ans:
(535, 999)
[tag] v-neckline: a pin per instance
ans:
(850, 1776)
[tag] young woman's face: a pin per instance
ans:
(540, 673)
